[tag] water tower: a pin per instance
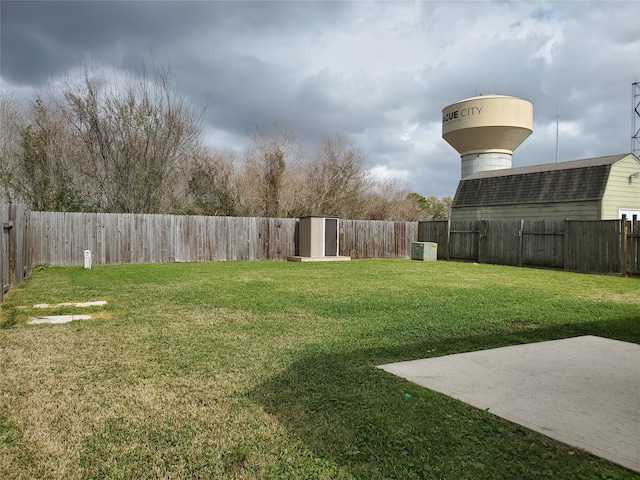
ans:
(485, 130)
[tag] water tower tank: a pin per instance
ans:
(485, 130)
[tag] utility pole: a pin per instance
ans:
(635, 120)
(557, 135)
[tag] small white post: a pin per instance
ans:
(87, 259)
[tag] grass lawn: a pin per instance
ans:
(267, 370)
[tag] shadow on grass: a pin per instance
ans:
(375, 425)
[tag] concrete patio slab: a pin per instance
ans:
(582, 391)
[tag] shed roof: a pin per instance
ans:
(575, 181)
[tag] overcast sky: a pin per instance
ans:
(377, 73)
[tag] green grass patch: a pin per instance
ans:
(267, 370)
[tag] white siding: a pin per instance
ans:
(620, 192)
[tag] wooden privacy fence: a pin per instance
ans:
(377, 239)
(608, 246)
(15, 251)
(62, 238)
(54, 238)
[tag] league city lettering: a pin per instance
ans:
(463, 112)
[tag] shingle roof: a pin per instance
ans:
(578, 180)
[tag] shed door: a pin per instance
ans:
(330, 237)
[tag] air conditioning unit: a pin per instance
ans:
(424, 251)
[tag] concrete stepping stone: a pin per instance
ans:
(96, 303)
(57, 319)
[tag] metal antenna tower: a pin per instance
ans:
(635, 124)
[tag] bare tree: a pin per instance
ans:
(390, 199)
(136, 131)
(292, 198)
(336, 181)
(265, 173)
(43, 171)
(274, 169)
(11, 123)
(211, 184)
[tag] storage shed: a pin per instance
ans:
(318, 240)
(603, 188)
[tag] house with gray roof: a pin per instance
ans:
(603, 188)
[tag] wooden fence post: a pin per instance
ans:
(624, 238)
(3, 260)
(565, 245)
(448, 238)
(520, 242)
(482, 241)
(12, 245)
